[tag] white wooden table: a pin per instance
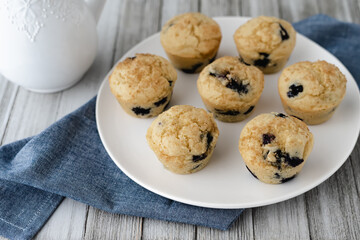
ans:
(330, 211)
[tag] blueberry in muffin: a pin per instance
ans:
(183, 138)
(311, 91)
(275, 147)
(143, 84)
(265, 42)
(230, 89)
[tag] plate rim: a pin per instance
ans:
(218, 205)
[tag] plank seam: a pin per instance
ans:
(9, 113)
(252, 222)
(58, 106)
(116, 39)
(240, 8)
(86, 219)
(160, 15)
(141, 220)
(195, 233)
(341, 190)
(307, 216)
(280, 12)
(356, 17)
(356, 185)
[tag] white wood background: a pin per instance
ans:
(330, 211)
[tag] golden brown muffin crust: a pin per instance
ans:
(275, 146)
(323, 85)
(215, 91)
(142, 79)
(190, 35)
(179, 131)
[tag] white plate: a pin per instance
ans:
(225, 182)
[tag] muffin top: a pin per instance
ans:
(265, 35)
(276, 139)
(312, 86)
(142, 79)
(190, 35)
(183, 130)
(230, 84)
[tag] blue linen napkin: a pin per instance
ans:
(69, 160)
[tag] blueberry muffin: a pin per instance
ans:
(191, 41)
(183, 138)
(230, 89)
(311, 91)
(143, 84)
(275, 146)
(265, 42)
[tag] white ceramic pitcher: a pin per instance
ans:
(47, 45)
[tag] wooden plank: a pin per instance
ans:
(355, 10)
(335, 8)
(138, 20)
(357, 20)
(255, 8)
(298, 10)
(156, 229)
(172, 8)
(103, 225)
(333, 207)
(67, 222)
(286, 219)
(348, 189)
(245, 225)
(355, 165)
(8, 93)
(215, 8)
(242, 229)
(30, 115)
